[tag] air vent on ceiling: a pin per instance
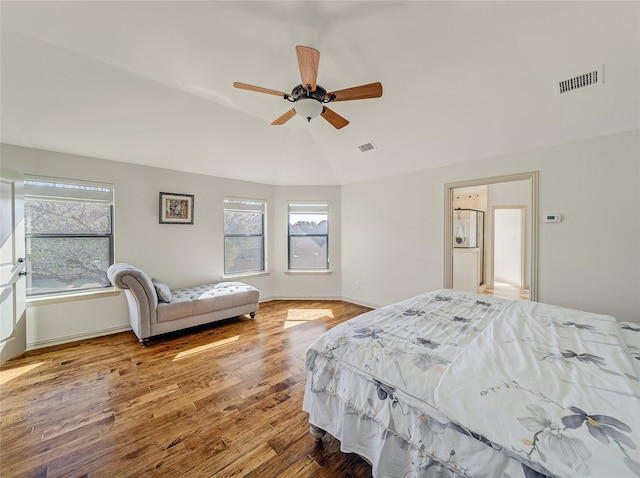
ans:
(367, 147)
(594, 77)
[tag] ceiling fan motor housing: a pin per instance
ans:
(318, 94)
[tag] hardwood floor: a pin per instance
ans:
(506, 291)
(225, 400)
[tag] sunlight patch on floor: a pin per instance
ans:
(10, 374)
(506, 291)
(301, 316)
(204, 348)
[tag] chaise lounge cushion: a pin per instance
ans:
(206, 298)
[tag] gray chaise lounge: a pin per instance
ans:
(156, 310)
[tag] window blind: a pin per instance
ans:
(308, 208)
(246, 205)
(40, 187)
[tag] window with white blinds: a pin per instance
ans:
(308, 236)
(244, 235)
(69, 234)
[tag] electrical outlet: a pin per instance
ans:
(357, 284)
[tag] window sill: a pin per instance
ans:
(244, 275)
(308, 271)
(71, 296)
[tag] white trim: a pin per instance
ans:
(359, 302)
(293, 297)
(308, 271)
(242, 275)
(46, 299)
(73, 338)
(125, 328)
(308, 298)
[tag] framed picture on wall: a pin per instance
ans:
(176, 208)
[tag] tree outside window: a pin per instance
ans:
(244, 238)
(69, 235)
(308, 236)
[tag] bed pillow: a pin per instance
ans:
(163, 291)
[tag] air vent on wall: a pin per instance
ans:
(367, 147)
(594, 77)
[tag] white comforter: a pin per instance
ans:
(481, 386)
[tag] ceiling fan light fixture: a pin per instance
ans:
(308, 108)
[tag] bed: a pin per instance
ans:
(454, 384)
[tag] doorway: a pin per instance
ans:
(508, 246)
(502, 190)
(509, 252)
(12, 268)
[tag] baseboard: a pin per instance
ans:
(293, 297)
(346, 299)
(72, 338)
(359, 302)
(125, 328)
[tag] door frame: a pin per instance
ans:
(15, 288)
(449, 188)
(523, 241)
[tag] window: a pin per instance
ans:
(244, 236)
(308, 236)
(69, 234)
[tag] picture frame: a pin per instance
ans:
(175, 208)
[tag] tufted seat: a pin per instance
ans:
(206, 298)
(154, 311)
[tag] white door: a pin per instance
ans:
(13, 336)
(507, 246)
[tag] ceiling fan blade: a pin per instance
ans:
(371, 90)
(259, 89)
(308, 61)
(285, 117)
(334, 118)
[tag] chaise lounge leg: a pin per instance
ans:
(316, 433)
(144, 341)
(252, 315)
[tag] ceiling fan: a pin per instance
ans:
(310, 98)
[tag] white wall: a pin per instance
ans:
(393, 238)
(181, 255)
(296, 285)
(386, 235)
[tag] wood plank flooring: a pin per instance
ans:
(506, 291)
(223, 400)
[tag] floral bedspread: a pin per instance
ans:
(566, 386)
(480, 386)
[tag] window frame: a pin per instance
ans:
(251, 207)
(106, 195)
(308, 208)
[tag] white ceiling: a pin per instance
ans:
(151, 82)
